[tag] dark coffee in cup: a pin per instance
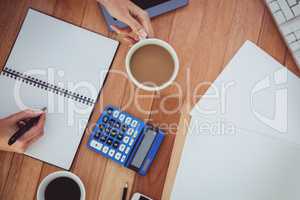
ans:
(62, 188)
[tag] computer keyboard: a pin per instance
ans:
(284, 10)
(287, 15)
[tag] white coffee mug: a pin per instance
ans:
(162, 44)
(45, 182)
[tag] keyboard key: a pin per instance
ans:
(105, 119)
(96, 145)
(117, 125)
(116, 114)
(297, 33)
(131, 142)
(105, 149)
(126, 139)
(109, 141)
(118, 156)
(296, 9)
(122, 117)
(111, 153)
(99, 146)
(123, 158)
(97, 135)
(120, 136)
(279, 17)
(274, 6)
(111, 122)
(135, 134)
(109, 111)
(122, 147)
(130, 131)
(295, 46)
(124, 128)
(134, 123)
(127, 150)
(292, 2)
(128, 120)
(101, 127)
(107, 130)
(286, 9)
(116, 144)
(291, 38)
(103, 138)
(113, 132)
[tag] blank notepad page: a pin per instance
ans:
(60, 66)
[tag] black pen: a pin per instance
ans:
(29, 124)
(125, 189)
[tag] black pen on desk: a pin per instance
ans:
(125, 189)
(29, 124)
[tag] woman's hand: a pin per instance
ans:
(10, 124)
(136, 18)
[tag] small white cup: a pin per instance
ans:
(162, 44)
(45, 182)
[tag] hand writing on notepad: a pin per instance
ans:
(10, 124)
(132, 15)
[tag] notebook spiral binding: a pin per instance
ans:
(46, 86)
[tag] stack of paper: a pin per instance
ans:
(244, 135)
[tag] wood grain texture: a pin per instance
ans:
(206, 34)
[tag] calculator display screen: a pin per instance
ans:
(144, 148)
(145, 4)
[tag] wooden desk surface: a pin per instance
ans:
(206, 34)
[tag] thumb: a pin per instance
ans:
(25, 114)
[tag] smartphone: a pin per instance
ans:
(138, 196)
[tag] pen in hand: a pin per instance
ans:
(29, 124)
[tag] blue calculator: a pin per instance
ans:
(125, 139)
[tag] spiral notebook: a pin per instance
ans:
(60, 66)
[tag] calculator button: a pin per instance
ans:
(118, 156)
(97, 135)
(127, 150)
(111, 122)
(111, 153)
(122, 147)
(105, 149)
(128, 120)
(116, 114)
(123, 158)
(109, 141)
(105, 119)
(109, 111)
(131, 142)
(107, 130)
(103, 138)
(113, 132)
(96, 145)
(101, 127)
(134, 123)
(122, 117)
(124, 128)
(99, 146)
(130, 131)
(116, 144)
(135, 134)
(126, 139)
(117, 125)
(120, 136)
